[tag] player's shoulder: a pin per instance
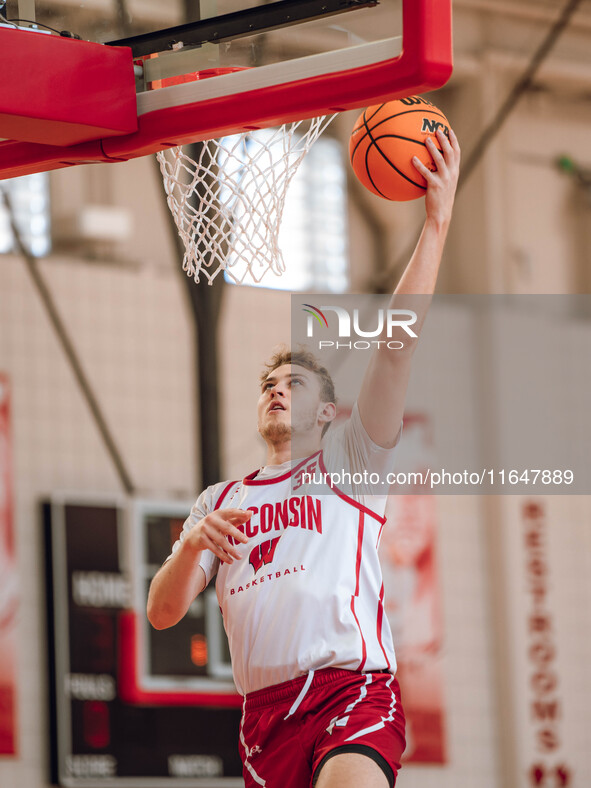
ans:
(214, 496)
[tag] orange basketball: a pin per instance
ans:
(384, 140)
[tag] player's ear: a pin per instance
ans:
(327, 412)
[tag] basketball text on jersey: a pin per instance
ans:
(266, 577)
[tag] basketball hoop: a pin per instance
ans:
(228, 203)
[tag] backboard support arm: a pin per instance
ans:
(247, 22)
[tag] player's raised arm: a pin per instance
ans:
(383, 391)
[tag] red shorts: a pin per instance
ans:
(289, 729)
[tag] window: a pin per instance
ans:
(313, 234)
(29, 196)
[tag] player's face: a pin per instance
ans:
(289, 402)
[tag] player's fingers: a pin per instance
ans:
(451, 150)
(453, 141)
(425, 171)
(445, 144)
(224, 525)
(238, 515)
(223, 544)
(223, 518)
(237, 534)
(447, 160)
(435, 153)
(213, 547)
(230, 549)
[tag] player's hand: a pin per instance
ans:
(441, 184)
(213, 530)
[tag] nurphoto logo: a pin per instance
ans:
(386, 324)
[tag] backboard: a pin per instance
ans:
(148, 75)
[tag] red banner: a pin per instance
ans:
(8, 582)
(413, 602)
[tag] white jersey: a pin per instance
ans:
(307, 592)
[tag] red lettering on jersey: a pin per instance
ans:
(309, 470)
(263, 553)
(281, 515)
(251, 528)
(314, 513)
(266, 518)
(303, 519)
(287, 572)
(298, 511)
(294, 508)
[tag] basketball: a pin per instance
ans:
(384, 140)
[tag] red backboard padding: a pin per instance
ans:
(424, 64)
(64, 91)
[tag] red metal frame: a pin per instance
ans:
(130, 689)
(424, 64)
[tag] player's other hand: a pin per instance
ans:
(213, 530)
(441, 184)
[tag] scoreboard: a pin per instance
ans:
(129, 705)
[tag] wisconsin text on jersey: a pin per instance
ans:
(297, 512)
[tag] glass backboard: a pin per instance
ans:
(152, 75)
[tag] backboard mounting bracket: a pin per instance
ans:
(247, 22)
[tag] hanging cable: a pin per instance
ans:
(63, 33)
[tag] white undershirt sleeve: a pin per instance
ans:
(202, 506)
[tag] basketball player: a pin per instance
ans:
(298, 578)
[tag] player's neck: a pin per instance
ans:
(298, 447)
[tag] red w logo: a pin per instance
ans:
(263, 553)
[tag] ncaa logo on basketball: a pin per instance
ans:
(430, 126)
(390, 325)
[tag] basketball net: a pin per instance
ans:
(228, 204)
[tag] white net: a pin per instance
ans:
(228, 203)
